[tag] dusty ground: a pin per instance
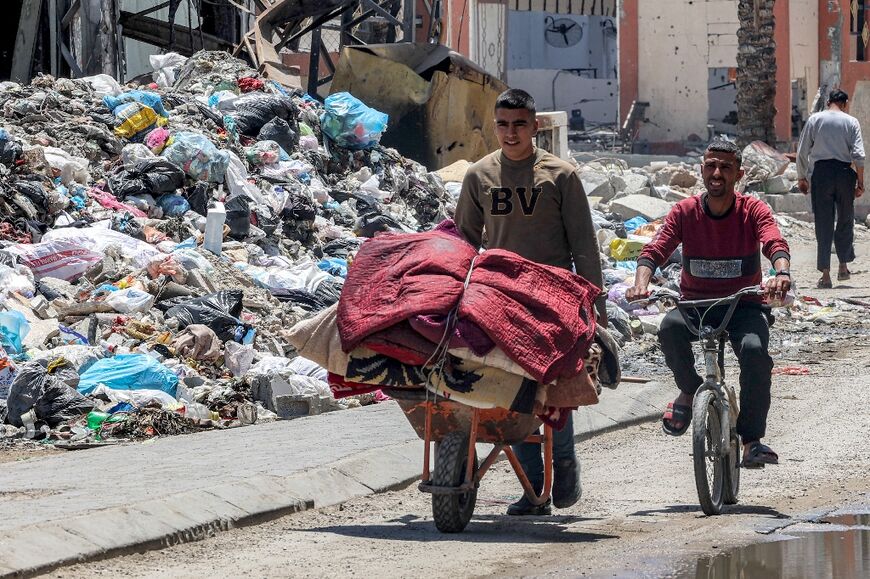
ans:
(639, 514)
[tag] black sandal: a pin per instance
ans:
(680, 413)
(759, 455)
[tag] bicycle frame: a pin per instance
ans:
(725, 398)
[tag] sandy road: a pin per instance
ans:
(639, 514)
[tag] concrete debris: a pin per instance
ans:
(639, 205)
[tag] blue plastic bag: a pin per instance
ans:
(173, 205)
(150, 99)
(198, 157)
(334, 266)
(129, 372)
(632, 224)
(350, 123)
(13, 329)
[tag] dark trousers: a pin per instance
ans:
(532, 461)
(749, 333)
(833, 195)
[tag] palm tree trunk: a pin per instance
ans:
(756, 72)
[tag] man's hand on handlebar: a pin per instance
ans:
(776, 287)
(637, 292)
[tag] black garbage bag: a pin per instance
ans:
(302, 298)
(329, 291)
(4, 411)
(279, 130)
(267, 221)
(225, 301)
(152, 177)
(370, 224)
(126, 224)
(219, 311)
(343, 247)
(34, 192)
(10, 149)
(225, 327)
(238, 209)
(53, 401)
(198, 197)
(35, 228)
(252, 114)
(299, 207)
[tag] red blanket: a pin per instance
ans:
(541, 316)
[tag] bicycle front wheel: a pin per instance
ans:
(707, 455)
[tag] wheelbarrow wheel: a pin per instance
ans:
(452, 511)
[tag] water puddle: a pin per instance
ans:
(843, 553)
(860, 520)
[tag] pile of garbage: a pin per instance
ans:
(156, 242)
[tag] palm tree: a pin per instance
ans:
(756, 72)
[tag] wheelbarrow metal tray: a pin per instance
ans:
(496, 426)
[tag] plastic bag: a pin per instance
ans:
(13, 329)
(98, 239)
(138, 398)
(198, 157)
(257, 109)
(68, 167)
(238, 358)
(634, 223)
(135, 153)
(127, 301)
(173, 205)
(134, 119)
(62, 259)
(53, 401)
(149, 99)
(166, 67)
(10, 149)
(153, 177)
(103, 84)
(18, 279)
(156, 139)
(190, 259)
(308, 143)
(279, 130)
(129, 372)
(263, 153)
(238, 210)
(350, 123)
(219, 311)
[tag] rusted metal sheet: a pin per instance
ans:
(440, 103)
(497, 425)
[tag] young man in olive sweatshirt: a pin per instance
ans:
(532, 203)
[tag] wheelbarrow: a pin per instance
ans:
(455, 428)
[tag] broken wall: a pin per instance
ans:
(579, 77)
(674, 59)
(804, 35)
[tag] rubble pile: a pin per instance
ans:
(628, 207)
(157, 241)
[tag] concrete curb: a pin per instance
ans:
(195, 515)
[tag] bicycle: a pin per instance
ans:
(716, 446)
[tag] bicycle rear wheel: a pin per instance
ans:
(708, 458)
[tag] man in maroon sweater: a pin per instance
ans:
(721, 232)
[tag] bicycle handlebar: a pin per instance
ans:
(684, 305)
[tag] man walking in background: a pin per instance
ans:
(829, 146)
